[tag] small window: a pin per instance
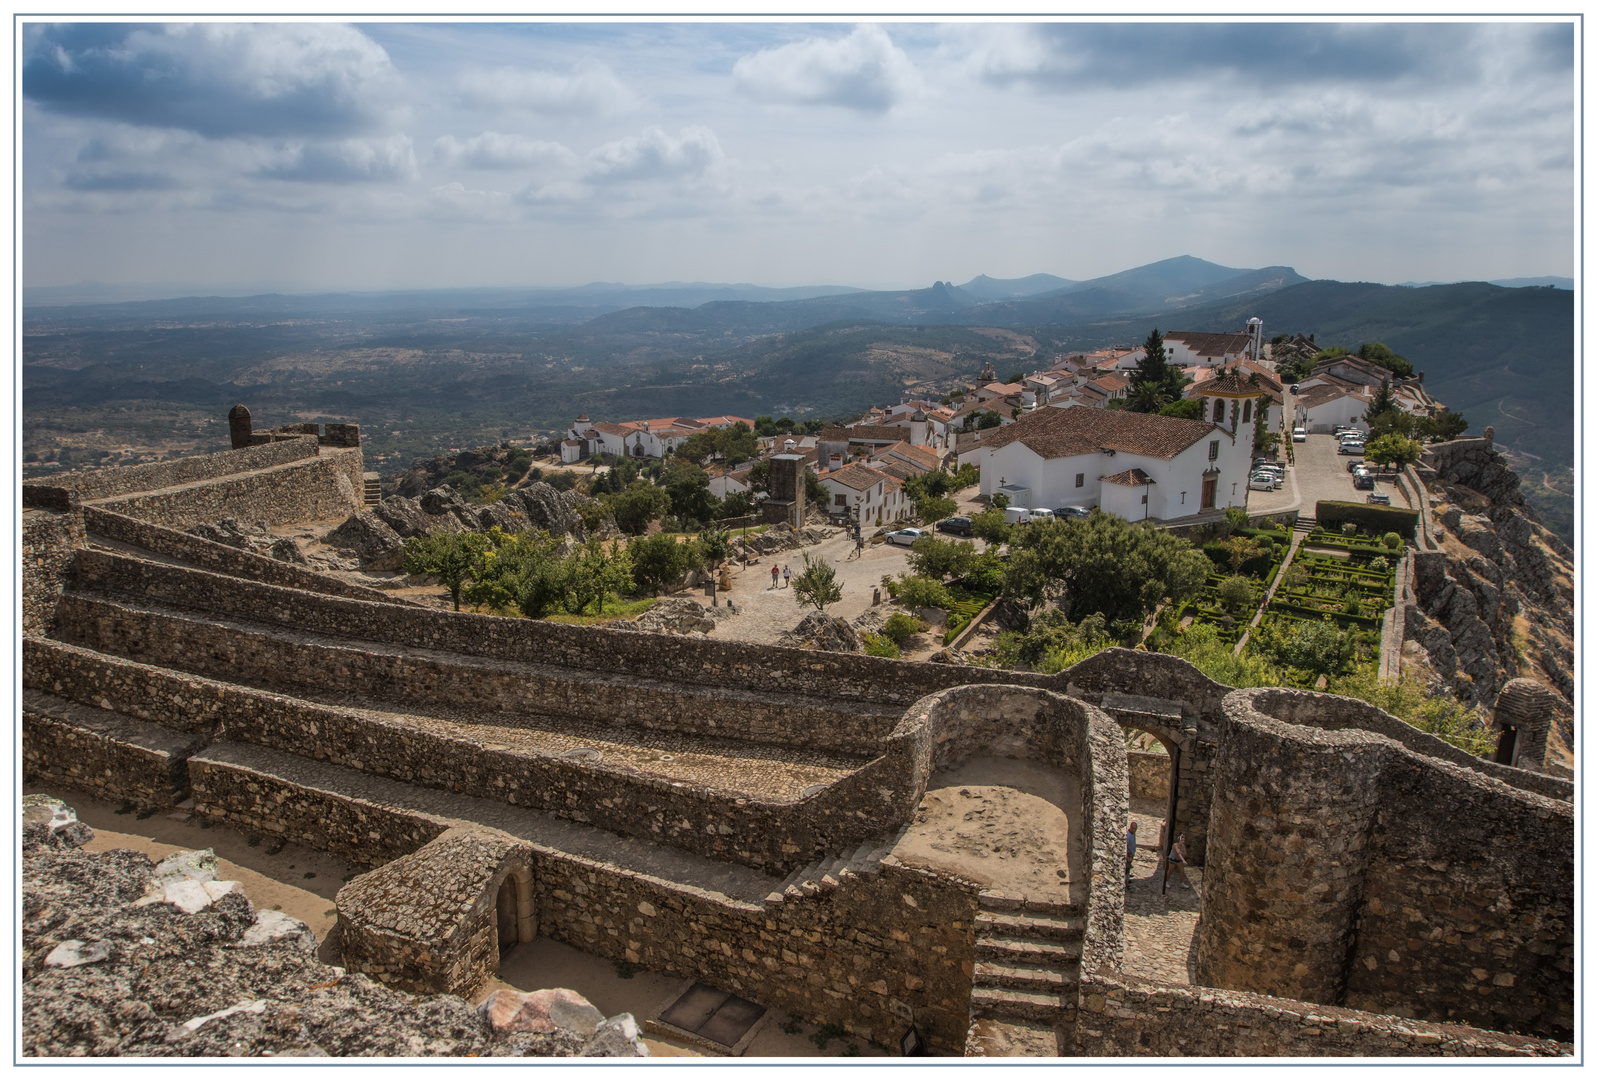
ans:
(840, 500)
(1081, 479)
(1214, 449)
(1247, 411)
(1219, 410)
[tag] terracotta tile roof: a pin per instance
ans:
(1232, 384)
(1129, 478)
(1056, 433)
(1110, 383)
(858, 477)
(1320, 395)
(1205, 344)
(606, 428)
(724, 421)
(1004, 389)
(923, 456)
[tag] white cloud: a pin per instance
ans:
(349, 161)
(492, 150)
(656, 155)
(864, 71)
(591, 89)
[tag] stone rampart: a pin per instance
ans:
(114, 757)
(1125, 1017)
(1346, 867)
(50, 541)
(1148, 775)
(326, 486)
(220, 558)
(157, 475)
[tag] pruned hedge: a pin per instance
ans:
(1370, 517)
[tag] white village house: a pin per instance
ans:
(1140, 466)
(865, 494)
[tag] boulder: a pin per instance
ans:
(442, 499)
(375, 545)
(555, 512)
(285, 549)
(405, 516)
(503, 514)
(70, 954)
(823, 632)
(617, 1037)
(49, 823)
(274, 928)
(541, 1012)
(674, 615)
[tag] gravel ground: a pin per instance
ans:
(1159, 926)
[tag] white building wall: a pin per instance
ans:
(1348, 411)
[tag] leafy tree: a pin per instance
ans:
(1316, 647)
(900, 627)
(1265, 441)
(941, 559)
(637, 506)
(1000, 501)
(561, 481)
(986, 419)
(1051, 633)
(1384, 401)
(716, 544)
(453, 557)
(817, 583)
(1202, 647)
(913, 590)
(815, 492)
(1184, 409)
(1105, 565)
(1394, 421)
(934, 508)
(689, 489)
(1329, 353)
(989, 525)
(1235, 592)
(1376, 353)
(658, 561)
(759, 478)
(1443, 427)
(1241, 549)
(1394, 450)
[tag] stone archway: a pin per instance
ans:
(515, 913)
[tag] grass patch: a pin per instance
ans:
(622, 609)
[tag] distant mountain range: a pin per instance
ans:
(1507, 283)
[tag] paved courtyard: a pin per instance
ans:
(1320, 473)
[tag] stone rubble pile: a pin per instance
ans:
(823, 632)
(780, 537)
(258, 540)
(677, 615)
(125, 957)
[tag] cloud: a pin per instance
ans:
(491, 150)
(215, 79)
(591, 89)
(114, 181)
(350, 161)
(656, 155)
(864, 71)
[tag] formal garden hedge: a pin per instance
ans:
(1371, 518)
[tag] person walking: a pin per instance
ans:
(774, 574)
(1131, 848)
(1177, 860)
(787, 575)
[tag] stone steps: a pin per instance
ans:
(1029, 927)
(826, 874)
(1027, 951)
(371, 489)
(1005, 1002)
(1027, 974)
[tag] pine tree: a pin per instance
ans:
(1152, 367)
(1384, 402)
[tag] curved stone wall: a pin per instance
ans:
(1348, 867)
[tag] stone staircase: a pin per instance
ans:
(1304, 524)
(828, 873)
(372, 489)
(1028, 971)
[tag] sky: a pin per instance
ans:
(395, 155)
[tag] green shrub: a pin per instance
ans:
(877, 645)
(901, 627)
(1235, 591)
(1379, 563)
(923, 592)
(1374, 520)
(1392, 540)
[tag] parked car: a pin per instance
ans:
(1017, 515)
(1260, 482)
(1352, 448)
(1359, 464)
(1380, 498)
(1072, 512)
(959, 526)
(1363, 481)
(1039, 513)
(1294, 388)
(1300, 433)
(906, 537)
(1270, 466)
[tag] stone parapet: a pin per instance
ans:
(127, 480)
(116, 758)
(322, 487)
(51, 540)
(1122, 1016)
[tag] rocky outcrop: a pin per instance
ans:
(555, 512)
(374, 543)
(124, 957)
(781, 537)
(674, 615)
(824, 632)
(1496, 601)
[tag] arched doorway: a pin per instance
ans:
(1153, 764)
(513, 910)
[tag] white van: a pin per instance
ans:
(1017, 515)
(1040, 514)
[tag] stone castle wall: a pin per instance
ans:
(1125, 1017)
(1347, 868)
(116, 483)
(50, 541)
(1148, 775)
(322, 488)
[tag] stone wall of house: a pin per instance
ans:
(220, 558)
(1148, 775)
(1348, 868)
(324, 487)
(50, 541)
(157, 475)
(1122, 1016)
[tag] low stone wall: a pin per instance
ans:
(776, 836)
(50, 542)
(326, 486)
(1148, 775)
(156, 475)
(1125, 1017)
(1347, 867)
(219, 558)
(111, 756)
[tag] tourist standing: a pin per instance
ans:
(787, 576)
(1177, 861)
(1131, 847)
(774, 574)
